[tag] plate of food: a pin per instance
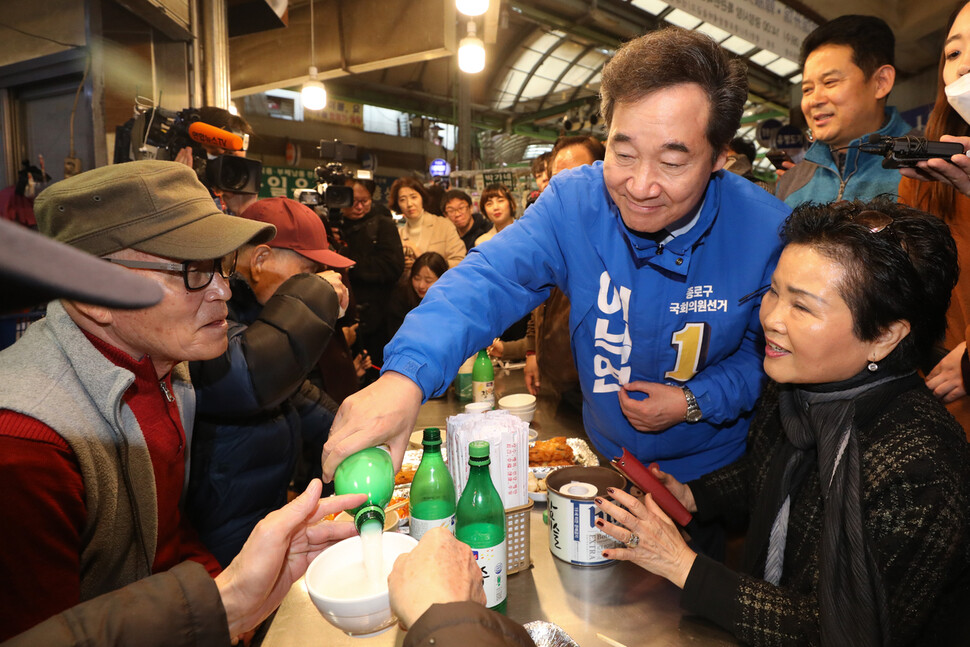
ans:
(546, 456)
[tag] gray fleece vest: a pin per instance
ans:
(55, 375)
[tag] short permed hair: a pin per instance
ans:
(906, 271)
(674, 56)
(410, 183)
(872, 41)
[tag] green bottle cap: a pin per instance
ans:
(432, 436)
(478, 450)
(369, 514)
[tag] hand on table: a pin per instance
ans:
(664, 407)
(531, 373)
(441, 569)
(384, 412)
(661, 548)
(278, 552)
(946, 378)
(343, 294)
(955, 171)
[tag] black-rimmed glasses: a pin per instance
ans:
(195, 274)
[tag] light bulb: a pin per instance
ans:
(313, 94)
(472, 7)
(471, 55)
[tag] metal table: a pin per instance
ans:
(620, 600)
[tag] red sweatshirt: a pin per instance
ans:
(43, 512)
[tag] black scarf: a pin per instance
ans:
(820, 423)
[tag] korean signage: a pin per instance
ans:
(769, 24)
(282, 181)
(500, 177)
(344, 113)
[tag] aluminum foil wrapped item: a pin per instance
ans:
(547, 634)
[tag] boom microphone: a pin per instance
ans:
(217, 137)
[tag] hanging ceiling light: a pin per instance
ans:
(313, 94)
(472, 7)
(471, 52)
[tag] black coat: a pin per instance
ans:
(375, 246)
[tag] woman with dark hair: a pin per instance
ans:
(422, 231)
(947, 197)
(426, 269)
(856, 481)
(498, 205)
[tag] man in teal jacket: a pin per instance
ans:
(846, 79)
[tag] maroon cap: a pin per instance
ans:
(297, 228)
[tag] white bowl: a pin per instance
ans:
(526, 416)
(517, 401)
(363, 615)
(478, 407)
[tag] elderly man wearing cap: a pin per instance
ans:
(255, 406)
(95, 415)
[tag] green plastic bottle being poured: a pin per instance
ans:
(371, 472)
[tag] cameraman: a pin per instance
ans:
(228, 201)
(374, 245)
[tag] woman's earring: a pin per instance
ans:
(873, 367)
(809, 135)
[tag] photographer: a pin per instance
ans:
(374, 245)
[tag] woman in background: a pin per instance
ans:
(498, 205)
(422, 231)
(426, 269)
(946, 195)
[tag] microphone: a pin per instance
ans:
(208, 135)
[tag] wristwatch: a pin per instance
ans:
(693, 411)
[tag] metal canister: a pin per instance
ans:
(573, 535)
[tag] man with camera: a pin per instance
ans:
(848, 74)
(234, 184)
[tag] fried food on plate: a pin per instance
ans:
(551, 453)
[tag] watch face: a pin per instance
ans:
(694, 415)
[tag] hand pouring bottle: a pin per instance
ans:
(432, 490)
(481, 524)
(370, 472)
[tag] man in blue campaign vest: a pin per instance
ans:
(661, 255)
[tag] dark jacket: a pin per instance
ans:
(373, 243)
(255, 407)
(480, 225)
(178, 607)
(465, 623)
(915, 486)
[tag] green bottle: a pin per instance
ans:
(483, 379)
(371, 472)
(481, 525)
(432, 489)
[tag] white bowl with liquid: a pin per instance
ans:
(339, 587)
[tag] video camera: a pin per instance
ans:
(906, 151)
(331, 191)
(156, 133)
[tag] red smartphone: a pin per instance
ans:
(630, 467)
